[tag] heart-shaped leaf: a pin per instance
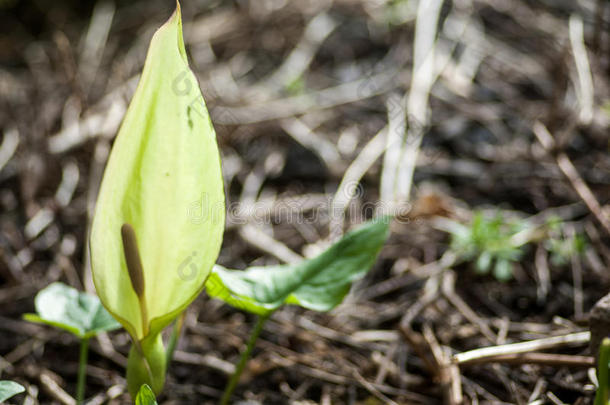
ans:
(66, 308)
(9, 389)
(319, 283)
(163, 180)
(145, 396)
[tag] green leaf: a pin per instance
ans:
(484, 262)
(503, 270)
(163, 178)
(67, 308)
(9, 389)
(145, 396)
(319, 283)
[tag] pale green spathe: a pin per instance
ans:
(163, 178)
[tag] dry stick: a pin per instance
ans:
(349, 184)
(447, 372)
(416, 341)
(585, 81)
(482, 391)
(522, 347)
(549, 359)
(276, 207)
(299, 59)
(543, 274)
(105, 397)
(259, 239)
(206, 360)
(455, 380)
(54, 389)
(431, 291)
(38, 223)
(567, 167)
(310, 139)
(459, 29)
(371, 388)
(554, 399)
(425, 271)
(339, 379)
(311, 366)
(103, 119)
(95, 42)
(386, 363)
(408, 117)
(424, 76)
(537, 391)
(10, 141)
(449, 292)
(346, 93)
(253, 234)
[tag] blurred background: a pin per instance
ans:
(482, 124)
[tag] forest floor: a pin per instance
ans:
(505, 237)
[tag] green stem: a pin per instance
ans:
(601, 396)
(82, 370)
(226, 396)
(173, 340)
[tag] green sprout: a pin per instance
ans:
(490, 242)
(319, 283)
(562, 246)
(9, 389)
(145, 396)
(150, 252)
(78, 313)
(602, 396)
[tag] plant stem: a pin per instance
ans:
(601, 396)
(173, 340)
(82, 370)
(226, 396)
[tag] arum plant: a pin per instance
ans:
(319, 283)
(9, 389)
(79, 313)
(150, 253)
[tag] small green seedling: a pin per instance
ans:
(490, 242)
(159, 217)
(602, 396)
(319, 284)
(9, 389)
(561, 245)
(145, 396)
(78, 313)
